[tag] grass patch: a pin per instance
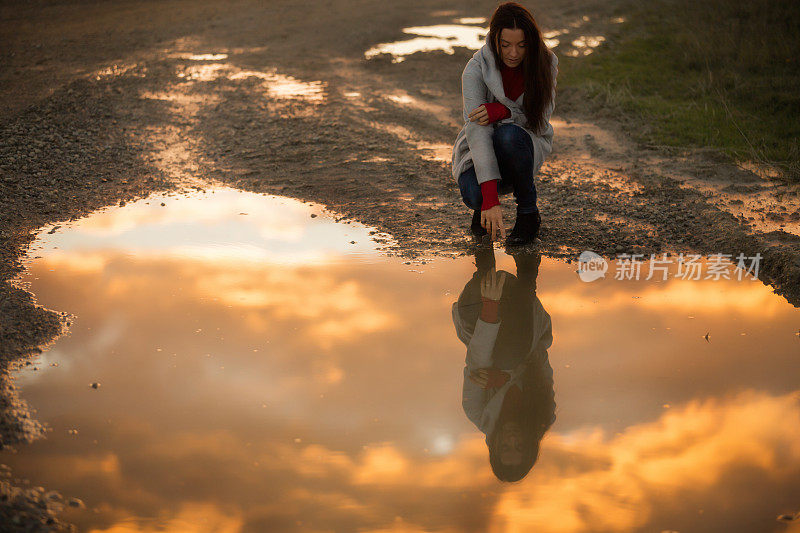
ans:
(721, 74)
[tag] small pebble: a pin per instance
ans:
(75, 502)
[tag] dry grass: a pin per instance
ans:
(710, 74)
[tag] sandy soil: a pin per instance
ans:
(103, 103)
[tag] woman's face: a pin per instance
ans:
(512, 46)
(509, 443)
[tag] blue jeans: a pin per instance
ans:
(514, 151)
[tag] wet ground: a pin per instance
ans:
(242, 362)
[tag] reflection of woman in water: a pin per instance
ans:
(508, 381)
(508, 89)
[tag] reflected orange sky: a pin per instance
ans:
(268, 394)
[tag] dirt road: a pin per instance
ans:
(106, 102)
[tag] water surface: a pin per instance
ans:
(263, 368)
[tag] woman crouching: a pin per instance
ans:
(508, 90)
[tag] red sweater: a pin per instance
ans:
(513, 86)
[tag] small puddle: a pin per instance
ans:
(585, 45)
(467, 33)
(260, 366)
(443, 37)
(276, 85)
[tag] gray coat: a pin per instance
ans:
(482, 406)
(481, 83)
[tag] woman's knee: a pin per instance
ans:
(470, 190)
(509, 138)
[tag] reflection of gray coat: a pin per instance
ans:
(482, 406)
(481, 83)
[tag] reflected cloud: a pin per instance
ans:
(335, 310)
(220, 226)
(671, 296)
(192, 517)
(638, 478)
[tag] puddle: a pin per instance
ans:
(443, 37)
(585, 45)
(262, 368)
(447, 37)
(471, 20)
(200, 57)
(275, 84)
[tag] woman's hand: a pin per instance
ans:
(492, 221)
(479, 115)
(480, 377)
(488, 378)
(492, 284)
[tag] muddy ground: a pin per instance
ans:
(102, 104)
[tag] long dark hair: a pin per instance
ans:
(536, 64)
(535, 416)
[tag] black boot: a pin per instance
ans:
(475, 228)
(526, 228)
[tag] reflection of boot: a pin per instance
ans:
(484, 260)
(528, 268)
